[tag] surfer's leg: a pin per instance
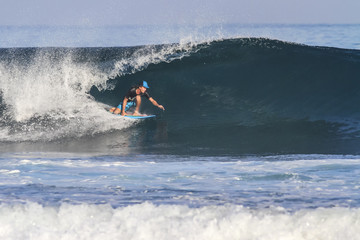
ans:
(129, 105)
(138, 104)
(116, 110)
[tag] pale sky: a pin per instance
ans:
(129, 12)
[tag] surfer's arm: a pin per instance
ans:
(156, 104)
(123, 113)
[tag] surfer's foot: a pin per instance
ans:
(137, 114)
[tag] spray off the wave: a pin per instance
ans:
(45, 91)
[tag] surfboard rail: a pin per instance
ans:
(139, 117)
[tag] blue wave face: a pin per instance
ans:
(256, 95)
(236, 96)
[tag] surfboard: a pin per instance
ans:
(136, 117)
(139, 117)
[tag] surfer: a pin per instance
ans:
(133, 99)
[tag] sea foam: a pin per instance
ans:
(148, 221)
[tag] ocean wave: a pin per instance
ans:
(33, 221)
(259, 88)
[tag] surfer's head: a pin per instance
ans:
(143, 86)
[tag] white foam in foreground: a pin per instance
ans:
(147, 221)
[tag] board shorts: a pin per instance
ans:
(128, 105)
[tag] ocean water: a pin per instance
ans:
(259, 140)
